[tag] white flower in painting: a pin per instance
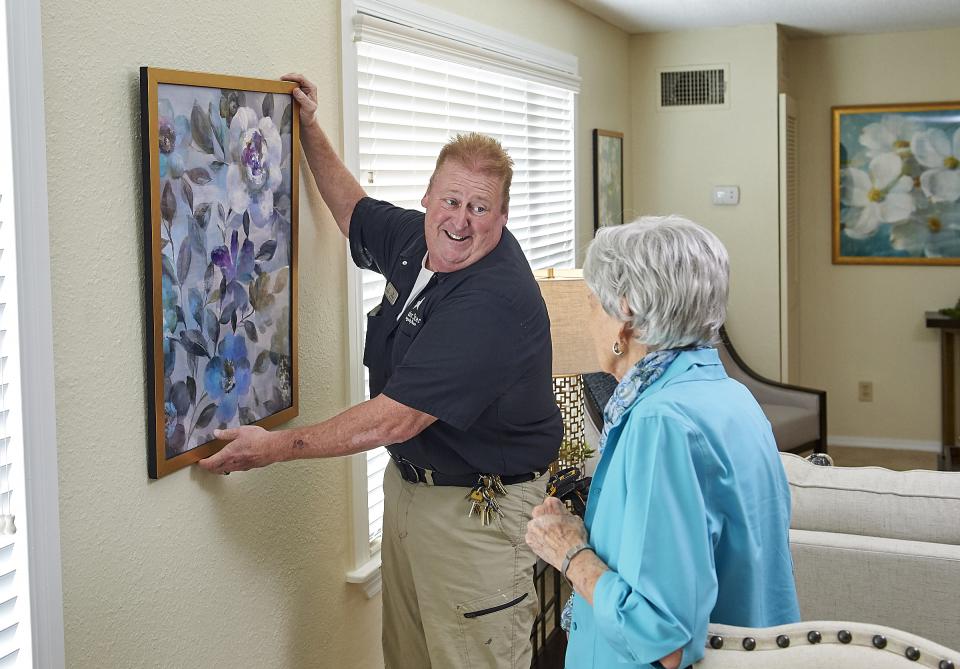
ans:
(892, 133)
(879, 195)
(934, 233)
(934, 150)
(254, 172)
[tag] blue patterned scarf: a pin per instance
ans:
(640, 377)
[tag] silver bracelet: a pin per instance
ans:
(572, 553)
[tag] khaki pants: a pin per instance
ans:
(456, 593)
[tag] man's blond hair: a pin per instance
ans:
(479, 153)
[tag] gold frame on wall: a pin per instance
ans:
(900, 206)
(213, 174)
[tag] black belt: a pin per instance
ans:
(414, 474)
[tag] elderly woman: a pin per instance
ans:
(688, 516)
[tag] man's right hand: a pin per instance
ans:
(305, 94)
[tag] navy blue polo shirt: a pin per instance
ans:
(473, 350)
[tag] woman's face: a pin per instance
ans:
(605, 331)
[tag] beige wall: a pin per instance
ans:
(602, 50)
(195, 570)
(678, 156)
(865, 323)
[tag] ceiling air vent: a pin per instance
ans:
(699, 87)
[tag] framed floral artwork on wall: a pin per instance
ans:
(896, 184)
(607, 178)
(220, 166)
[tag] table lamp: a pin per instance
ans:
(565, 294)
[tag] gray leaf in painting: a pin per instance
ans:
(176, 443)
(247, 416)
(199, 176)
(202, 214)
(196, 305)
(208, 276)
(180, 397)
(206, 415)
(187, 192)
(168, 203)
(280, 282)
(197, 238)
(251, 330)
(183, 261)
(267, 250)
(246, 224)
(201, 129)
(166, 266)
(262, 363)
(267, 106)
(213, 326)
(286, 122)
(194, 343)
(192, 388)
(228, 313)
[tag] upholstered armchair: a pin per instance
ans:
(798, 415)
(822, 645)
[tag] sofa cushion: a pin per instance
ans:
(916, 505)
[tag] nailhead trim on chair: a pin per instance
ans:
(877, 641)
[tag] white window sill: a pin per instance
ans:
(367, 576)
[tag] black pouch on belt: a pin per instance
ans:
(570, 487)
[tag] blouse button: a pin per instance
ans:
(403, 262)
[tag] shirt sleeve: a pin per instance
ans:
(379, 231)
(470, 351)
(664, 586)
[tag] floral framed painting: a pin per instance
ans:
(896, 184)
(220, 169)
(607, 178)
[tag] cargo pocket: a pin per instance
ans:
(495, 630)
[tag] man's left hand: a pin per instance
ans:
(248, 447)
(553, 531)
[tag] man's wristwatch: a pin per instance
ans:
(572, 553)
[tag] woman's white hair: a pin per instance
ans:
(664, 275)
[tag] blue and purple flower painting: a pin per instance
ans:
(226, 210)
(899, 184)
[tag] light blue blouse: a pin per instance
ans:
(690, 509)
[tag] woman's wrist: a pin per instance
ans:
(584, 571)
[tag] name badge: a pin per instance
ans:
(390, 293)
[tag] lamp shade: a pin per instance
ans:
(565, 294)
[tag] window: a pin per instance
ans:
(31, 622)
(415, 88)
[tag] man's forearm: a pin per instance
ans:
(377, 422)
(338, 187)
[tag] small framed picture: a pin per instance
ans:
(607, 178)
(220, 168)
(896, 184)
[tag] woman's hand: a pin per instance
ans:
(305, 94)
(553, 531)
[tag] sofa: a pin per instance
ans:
(877, 546)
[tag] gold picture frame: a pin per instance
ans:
(220, 199)
(896, 184)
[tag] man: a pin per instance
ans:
(459, 356)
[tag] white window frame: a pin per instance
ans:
(36, 332)
(426, 25)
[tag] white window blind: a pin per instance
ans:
(15, 635)
(410, 103)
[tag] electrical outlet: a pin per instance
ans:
(865, 391)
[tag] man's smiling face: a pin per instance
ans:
(464, 220)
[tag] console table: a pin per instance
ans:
(949, 459)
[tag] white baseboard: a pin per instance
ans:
(877, 442)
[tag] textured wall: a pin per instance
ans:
(192, 570)
(865, 323)
(680, 155)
